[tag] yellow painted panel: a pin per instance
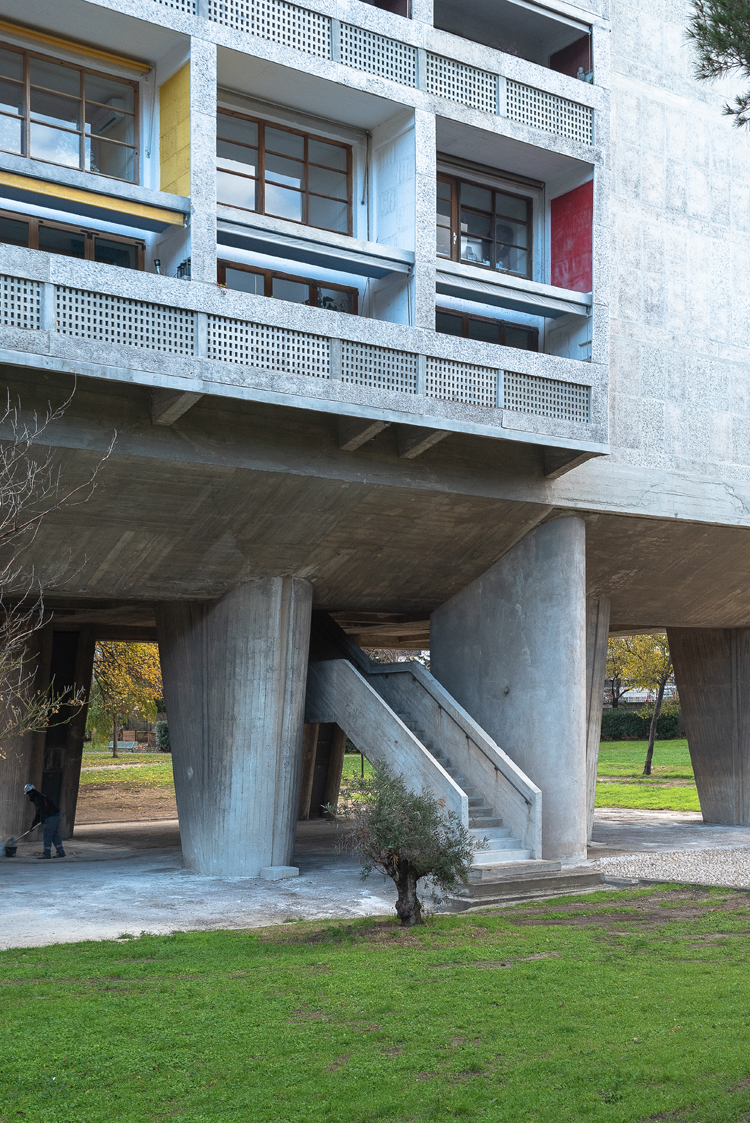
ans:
(72, 45)
(174, 132)
(90, 198)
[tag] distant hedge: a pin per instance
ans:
(633, 725)
(162, 737)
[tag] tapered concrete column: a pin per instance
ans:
(234, 677)
(71, 665)
(511, 648)
(712, 670)
(597, 635)
(22, 758)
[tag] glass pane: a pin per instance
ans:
(324, 182)
(475, 238)
(291, 173)
(328, 214)
(55, 110)
(525, 338)
(478, 197)
(110, 159)
(512, 260)
(11, 98)
(115, 253)
(105, 121)
(243, 281)
(318, 152)
(55, 146)
(284, 203)
(14, 232)
(483, 331)
(296, 291)
(511, 205)
(235, 128)
(443, 238)
(335, 300)
(235, 191)
(236, 157)
(444, 190)
(10, 134)
(55, 76)
(11, 64)
(288, 144)
(109, 91)
(448, 324)
(61, 241)
(511, 232)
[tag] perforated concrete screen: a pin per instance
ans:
(464, 84)
(461, 382)
(117, 319)
(188, 6)
(276, 20)
(20, 303)
(268, 347)
(377, 54)
(541, 110)
(367, 365)
(545, 397)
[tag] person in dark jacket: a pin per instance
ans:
(47, 813)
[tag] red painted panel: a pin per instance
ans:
(572, 220)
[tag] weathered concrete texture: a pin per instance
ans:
(22, 758)
(511, 649)
(597, 635)
(712, 669)
(71, 664)
(234, 685)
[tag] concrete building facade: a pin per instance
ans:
(410, 318)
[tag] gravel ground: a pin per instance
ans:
(721, 865)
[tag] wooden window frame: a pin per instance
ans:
(270, 274)
(89, 236)
(81, 133)
(501, 325)
(260, 178)
(455, 183)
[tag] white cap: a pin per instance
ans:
(28, 788)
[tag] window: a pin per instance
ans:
(64, 114)
(72, 241)
(281, 286)
(483, 226)
(448, 322)
(284, 173)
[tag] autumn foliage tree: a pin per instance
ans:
(126, 681)
(616, 673)
(648, 665)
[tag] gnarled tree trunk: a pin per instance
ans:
(408, 907)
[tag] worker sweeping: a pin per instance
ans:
(47, 813)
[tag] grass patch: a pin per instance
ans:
(608, 1007)
(648, 797)
(130, 770)
(626, 758)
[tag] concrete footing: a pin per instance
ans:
(234, 684)
(278, 873)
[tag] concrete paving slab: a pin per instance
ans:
(622, 830)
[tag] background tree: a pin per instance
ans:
(126, 682)
(649, 666)
(405, 835)
(720, 30)
(617, 658)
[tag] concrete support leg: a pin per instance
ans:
(323, 750)
(71, 664)
(511, 648)
(597, 635)
(234, 677)
(22, 758)
(712, 670)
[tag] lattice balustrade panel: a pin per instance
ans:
(277, 20)
(376, 54)
(465, 84)
(268, 347)
(566, 401)
(461, 382)
(365, 365)
(118, 319)
(20, 303)
(546, 111)
(188, 6)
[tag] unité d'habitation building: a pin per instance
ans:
(420, 325)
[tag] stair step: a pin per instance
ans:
(523, 880)
(484, 859)
(494, 832)
(484, 822)
(498, 844)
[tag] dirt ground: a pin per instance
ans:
(124, 803)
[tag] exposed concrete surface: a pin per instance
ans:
(729, 865)
(621, 830)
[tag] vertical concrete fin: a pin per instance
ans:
(597, 636)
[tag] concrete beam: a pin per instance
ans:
(511, 649)
(413, 440)
(234, 684)
(168, 405)
(557, 461)
(357, 431)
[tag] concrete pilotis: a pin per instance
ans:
(22, 758)
(712, 670)
(71, 665)
(234, 684)
(597, 635)
(511, 649)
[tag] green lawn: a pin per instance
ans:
(626, 758)
(669, 787)
(128, 768)
(621, 1007)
